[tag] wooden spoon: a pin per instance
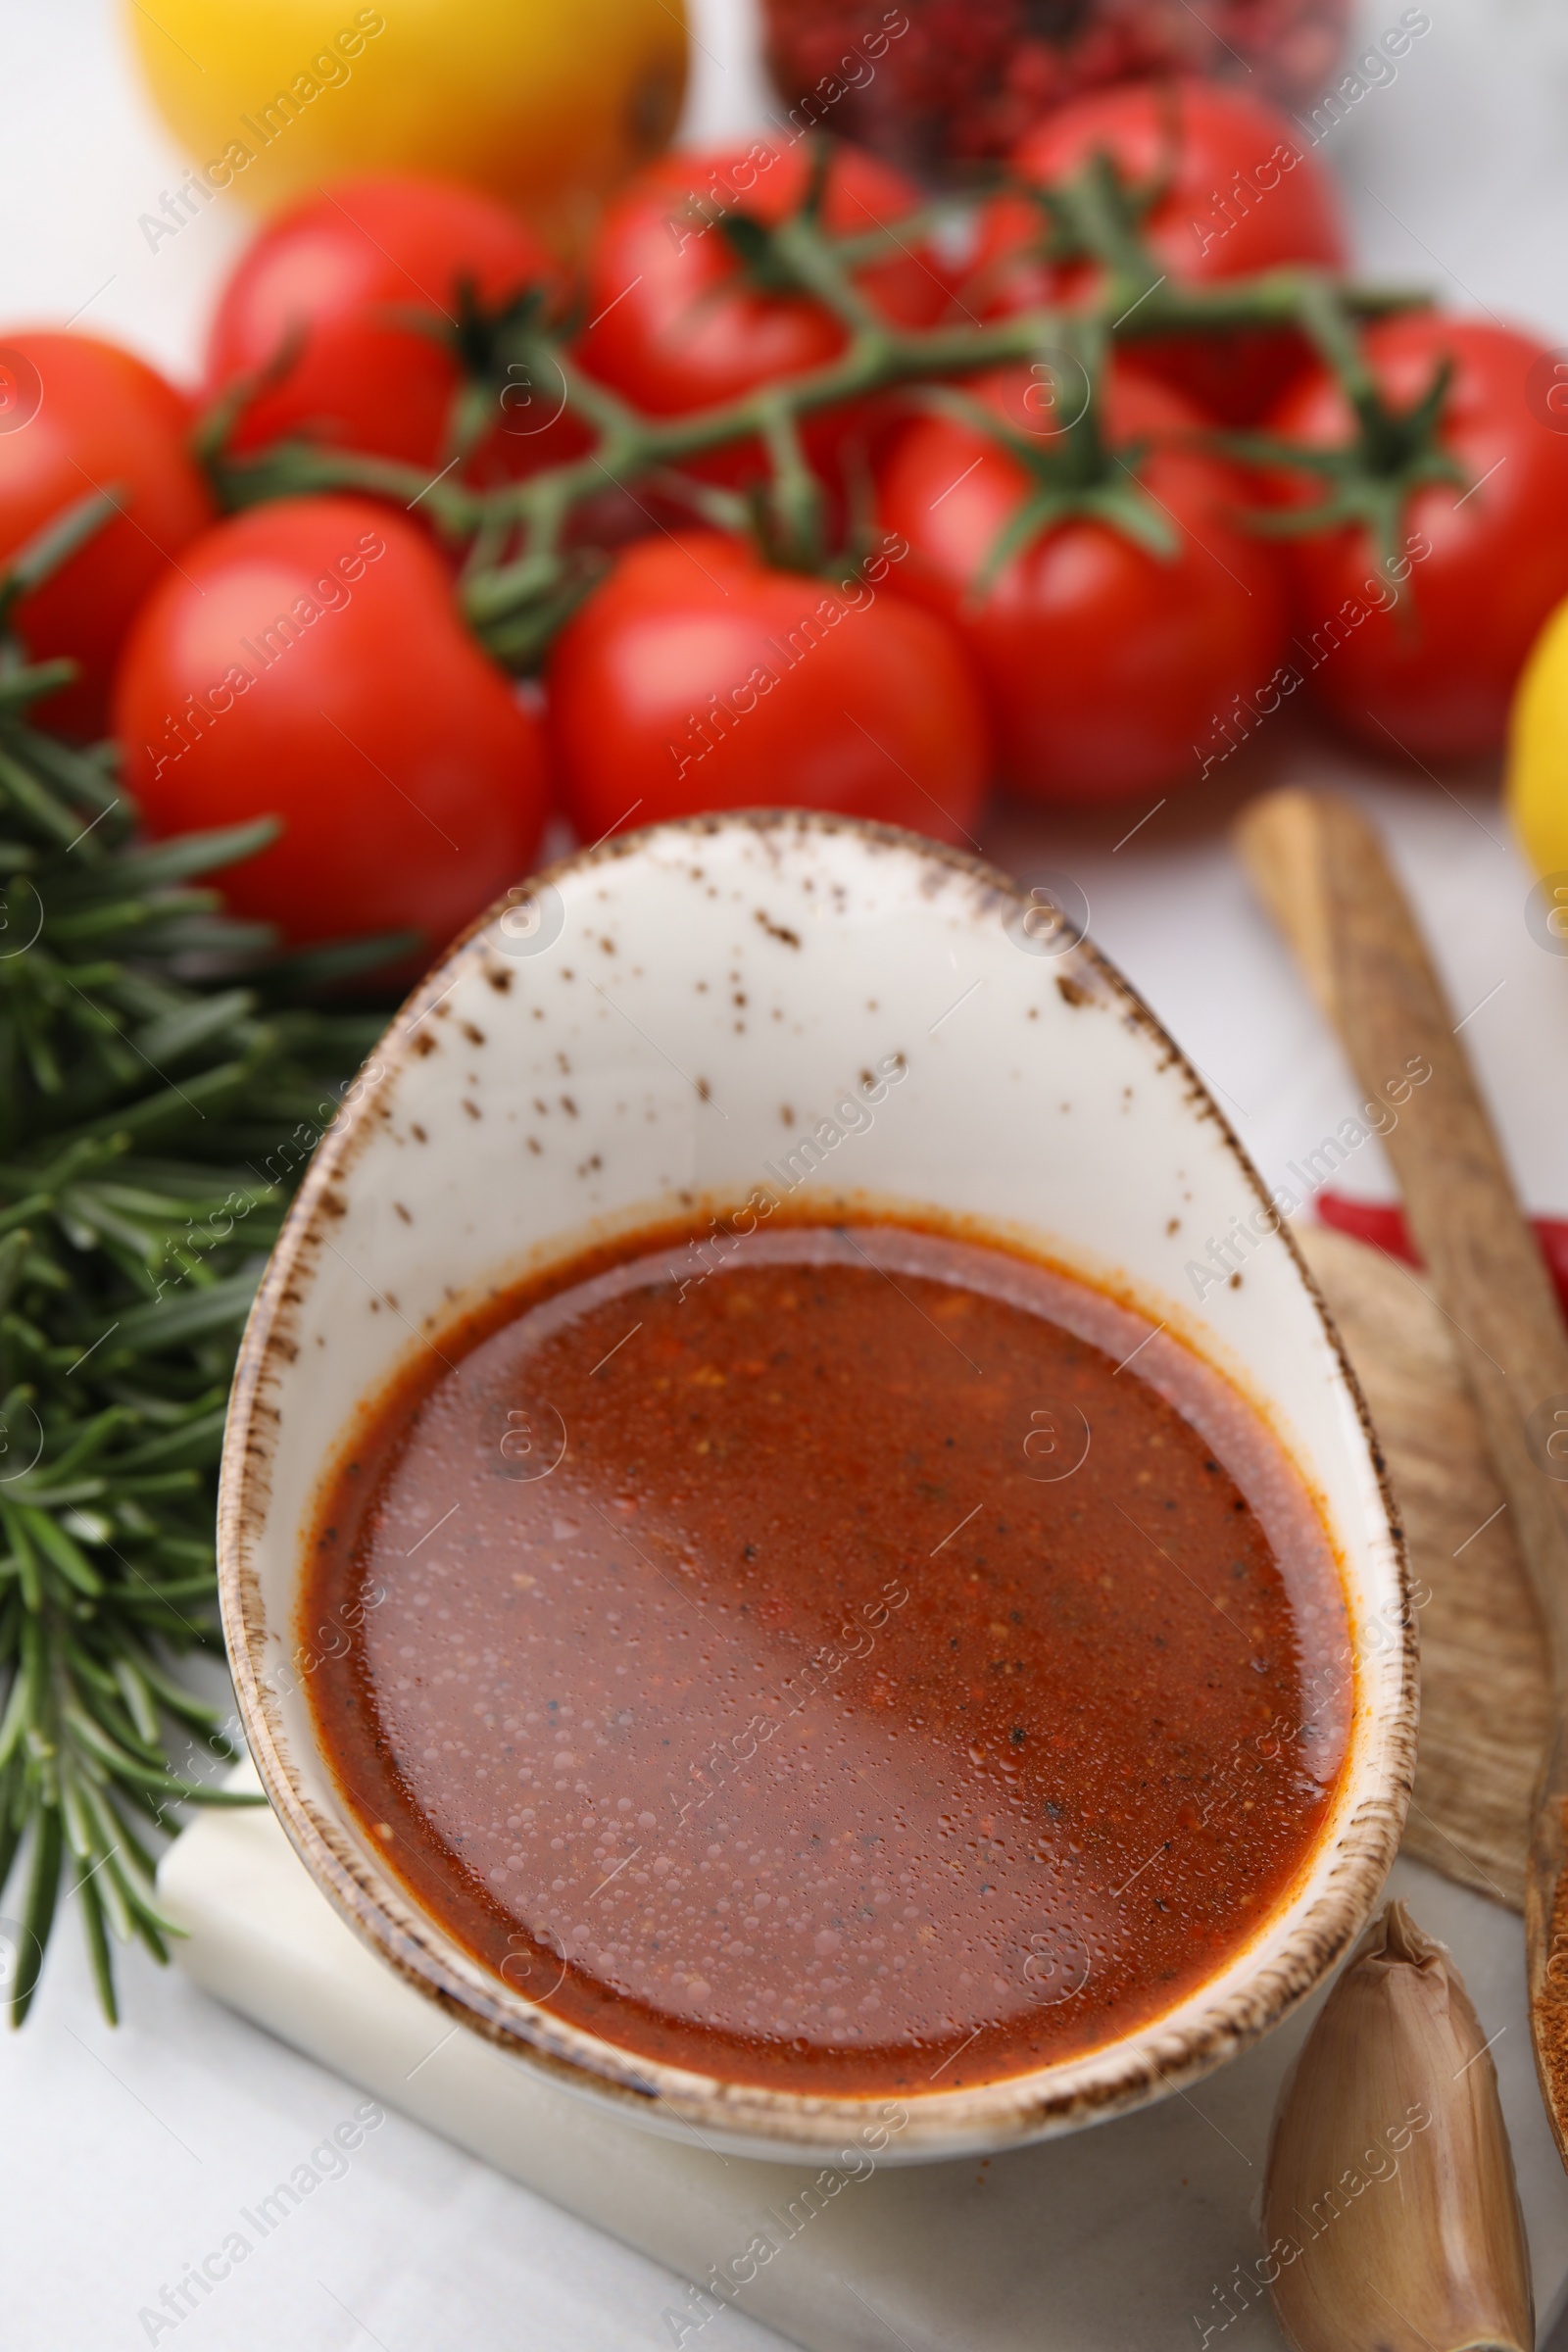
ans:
(1320, 871)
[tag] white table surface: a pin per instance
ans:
(121, 2154)
(1120, 2236)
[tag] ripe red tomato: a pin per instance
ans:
(698, 679)
(339, 273)
(79, 415)
(1245, 193)
(1104, 664)
(308, 661)
(1427, 660)
(673, 322)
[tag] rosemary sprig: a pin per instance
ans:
(138, 1106)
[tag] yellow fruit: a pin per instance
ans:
(1537, 749)
(547, 104)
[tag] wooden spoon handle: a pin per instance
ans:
(1320, 871)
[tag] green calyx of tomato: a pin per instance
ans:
(1077, 475)
(1369, 480)
(1097, 215)
(496, 348)
(768, 263)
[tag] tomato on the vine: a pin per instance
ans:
(1423, 655)
(1105, 657)
(79, 415)
(679, 317)
(699, 677)
(353, 294)
(308, 661)
(1239, 190)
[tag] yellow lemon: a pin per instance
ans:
(547, 104)
(1537, 749)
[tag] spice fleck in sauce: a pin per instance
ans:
(846, 1672)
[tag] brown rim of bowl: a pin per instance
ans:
(1109, 2081)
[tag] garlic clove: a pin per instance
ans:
(1389, 2210)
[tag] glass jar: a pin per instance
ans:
(939, 86)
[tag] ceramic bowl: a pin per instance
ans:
(687, 1004)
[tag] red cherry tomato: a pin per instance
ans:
(698, 679)
(335, 280)
(1104, 663)
(308, 661)
(673, 321)
(1426, 663)
(1245, 193)
(79, 415)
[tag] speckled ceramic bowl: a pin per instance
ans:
(647, 1027)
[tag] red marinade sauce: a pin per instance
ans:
(876, 1663)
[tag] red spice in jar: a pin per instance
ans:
(934, 85)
